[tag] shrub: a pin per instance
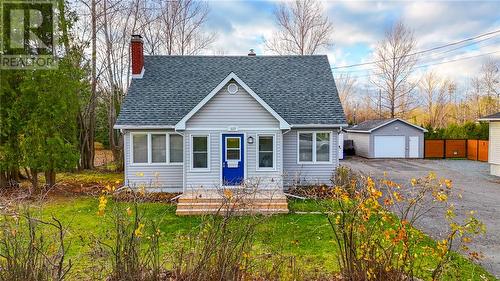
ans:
(32, 249)
(376, 245)
(132, 246)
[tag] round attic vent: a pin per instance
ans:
(232, 88)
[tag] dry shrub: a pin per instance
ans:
(131, 247)
(223, 246)
(32, 249)
(374, 244)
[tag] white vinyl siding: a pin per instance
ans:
(296, 173)
(159, 176)
(261, 178)
(494, 143)
(240, 110)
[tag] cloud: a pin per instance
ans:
(359, 25)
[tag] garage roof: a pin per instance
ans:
(369, 126)
(492, 117)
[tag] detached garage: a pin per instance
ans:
(387, 138)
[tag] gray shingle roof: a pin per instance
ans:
(369, 124)
(301, 89)
(492, 116)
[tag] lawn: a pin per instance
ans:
(305, 236)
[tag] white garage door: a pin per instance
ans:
(389, 146)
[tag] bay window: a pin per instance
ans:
(140, 148)
(176, 151)
(159, 148)
(156, 148)
(314, 147)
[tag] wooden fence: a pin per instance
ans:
(470, 149)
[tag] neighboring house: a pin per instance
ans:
(216, 121)
(387, 138)
(494, 142)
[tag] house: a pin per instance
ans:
(387, 138)
(209, 122)
(494, 142)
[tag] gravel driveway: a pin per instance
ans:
(480, 191)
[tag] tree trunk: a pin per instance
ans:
(50, 178)
(34, 180)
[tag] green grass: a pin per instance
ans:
(90, 177)
(305, 236)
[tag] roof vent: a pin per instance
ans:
(252, 53)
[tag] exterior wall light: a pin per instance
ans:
(250, 140)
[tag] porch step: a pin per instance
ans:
(216, 202)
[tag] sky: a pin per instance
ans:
(359, 25)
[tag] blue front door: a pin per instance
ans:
(233, 155)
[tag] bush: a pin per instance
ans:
(376, 245)
(469, 130)
(134, 251)
(32, 249)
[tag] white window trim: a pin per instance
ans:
(191, 168)
(150, 149)
(257, 153)
(314, 149)
(226, 148)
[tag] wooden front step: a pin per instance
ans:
(217, 202)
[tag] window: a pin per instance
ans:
(305, 147)
(266, 151)
(176, 143)
(200, 152)
(233, 148)
(322, 147)
(314, 147)
(140, 148)
(155, 148)
(159, 148)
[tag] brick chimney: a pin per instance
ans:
(136, 46)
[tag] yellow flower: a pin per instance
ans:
(117, 182)
(138, 231)
(228, 193)
(398, 196)
(432, 175)
(102, 205)
(448, 183)
(441, 196)
(466, 239)
(413, 182)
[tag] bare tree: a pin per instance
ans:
(346, 87)
(303, 28)
(189, 38)
(435, 96)
(394, 65)
(490, 84)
